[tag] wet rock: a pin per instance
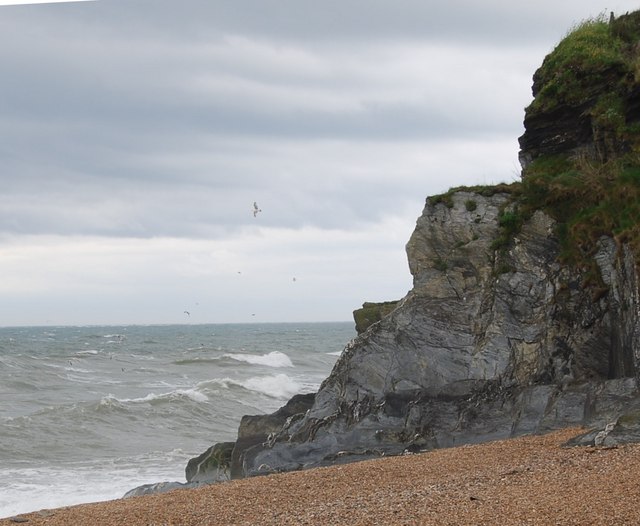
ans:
(259, 429)
(214, 465)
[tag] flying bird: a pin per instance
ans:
(256, 209)
(187, 313)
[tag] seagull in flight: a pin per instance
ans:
(256, 209)
(187, 313)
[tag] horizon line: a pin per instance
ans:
(88, 325)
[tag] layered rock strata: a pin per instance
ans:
(472, 353)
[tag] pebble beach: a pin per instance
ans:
(526, 480)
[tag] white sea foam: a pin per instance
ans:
(115, 337)
(192, 394)
(29, 489)
(337, 353)
(93, 444)
(272, 359)
(89, 352)
(277, 386)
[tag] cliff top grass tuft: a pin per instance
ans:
(588, 199)
(593, 188)
(572, 73)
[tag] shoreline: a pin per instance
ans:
(525, 480)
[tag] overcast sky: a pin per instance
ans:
(135, 136)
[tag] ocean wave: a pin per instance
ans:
(272, 359)
(337, 353)
(193, 395)
(190, 361)
(110, 402)
(279, 386)
(115, 338)
(90, 352)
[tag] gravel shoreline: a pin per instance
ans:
(527, 480)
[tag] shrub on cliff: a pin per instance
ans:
(587, 174)
(581, 146)
(571, 74)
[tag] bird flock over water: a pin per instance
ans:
(255, 210)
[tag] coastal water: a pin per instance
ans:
(88, 413)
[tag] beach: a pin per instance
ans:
(526, 480)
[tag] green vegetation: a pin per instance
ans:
(589, 200)
(594, 70)
(578, 64)
(510, 221)
(484, 190)
(470, 205)
(592, 188)
(371, 313)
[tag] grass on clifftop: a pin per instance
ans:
(593, 69)
(588, 199)
(579, 63)
(594, 72)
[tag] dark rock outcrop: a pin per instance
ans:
(254, 431)
(214, 465)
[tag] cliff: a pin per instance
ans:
(473, 353)
(525, 309)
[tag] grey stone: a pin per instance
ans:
(158, 487)
(470, 354)
(214, 465)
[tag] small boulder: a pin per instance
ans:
(214, 465)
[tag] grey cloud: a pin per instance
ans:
(335, 19)
(142, 118)
(136, 135)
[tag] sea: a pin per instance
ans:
(88, 413)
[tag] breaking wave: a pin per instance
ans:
(272, 359)
(278, 386)
(173, 396)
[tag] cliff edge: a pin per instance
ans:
(525, 309)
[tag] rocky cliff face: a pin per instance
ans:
(472, 354)
(498, 337)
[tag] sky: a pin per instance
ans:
(136, 135)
